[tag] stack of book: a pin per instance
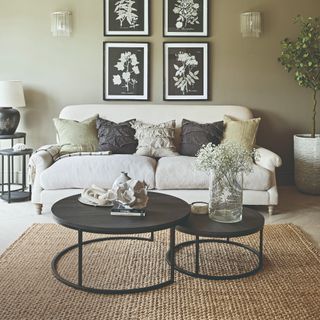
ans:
(122, 210)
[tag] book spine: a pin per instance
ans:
(128, 213)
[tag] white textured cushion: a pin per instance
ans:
(155, 140)
(179, 173)
(83, 171)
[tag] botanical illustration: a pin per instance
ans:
(128, 68)
(126, 13)
(187, 12)
(186, 74)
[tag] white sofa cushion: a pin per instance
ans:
(83, 171)
(179, 173)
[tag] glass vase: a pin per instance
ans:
(225, 197)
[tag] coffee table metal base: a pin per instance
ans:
(197, 273)
(81, 243)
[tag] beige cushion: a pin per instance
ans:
(155, 140)
(242, 132)
(179, 173)
(77, 136)
(83, 171)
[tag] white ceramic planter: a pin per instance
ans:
(307, 163)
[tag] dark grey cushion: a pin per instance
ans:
(194, 135)
(116, 137)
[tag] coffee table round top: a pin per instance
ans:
(163, 211)
(201, 225)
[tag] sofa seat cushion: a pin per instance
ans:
(83, 171)
(179, 173)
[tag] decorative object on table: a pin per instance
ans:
(117, 138)
(121, 179)
(185, 18)
(19, 147)
(122, 210)
(155, 140)
(75, 136)
(302, 57)
(61, 23)
(97, 196)
(199, 207)
(194, 135)
(126, 17)
(130, 193)
(186, 71)
(11, 96)
(250, 23)
(126, 71)
(226, 164)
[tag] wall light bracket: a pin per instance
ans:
(250, 24)
(61, 23)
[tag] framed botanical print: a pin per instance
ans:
(126, 17)
(185, 18)
(186, 71)
(126, 71)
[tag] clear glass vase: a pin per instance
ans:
(225, 197)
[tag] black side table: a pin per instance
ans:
(12, 137)
(17, 194)
(201, 226)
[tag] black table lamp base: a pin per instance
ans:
(9, 120)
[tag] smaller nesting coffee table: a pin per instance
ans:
(201, 226)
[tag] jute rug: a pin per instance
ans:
(288, 287)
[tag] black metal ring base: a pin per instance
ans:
(58, 256)
(196, 274)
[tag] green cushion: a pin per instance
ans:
(243, 132)
(77, 136)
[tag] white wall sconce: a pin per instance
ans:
(61, 23)
(250, 24)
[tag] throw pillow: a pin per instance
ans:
(155, 140)
(194, 135)
(116, 137)
(75, 136)
(244, 131)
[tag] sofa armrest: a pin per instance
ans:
(268, 159)
(39, 161)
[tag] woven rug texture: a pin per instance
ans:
(287, 288)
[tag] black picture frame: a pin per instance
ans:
(126, 71)
(186, 18)
(186, 71)
(133, 22)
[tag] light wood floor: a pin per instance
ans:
(294, 207)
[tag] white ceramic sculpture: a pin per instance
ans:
(99, 196)
(123, 178)
(130, 192)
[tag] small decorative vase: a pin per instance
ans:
(121, 180)
(225, 197)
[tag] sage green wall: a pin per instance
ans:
(58, 72)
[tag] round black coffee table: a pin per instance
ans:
(201, 226)
(163, 212)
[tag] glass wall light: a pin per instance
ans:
(251, 24)
(61, 24)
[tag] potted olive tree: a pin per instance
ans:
(302, 56)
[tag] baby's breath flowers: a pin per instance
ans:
(228, 157)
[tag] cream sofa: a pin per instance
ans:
(53, 180)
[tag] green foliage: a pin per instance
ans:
(302, 56)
